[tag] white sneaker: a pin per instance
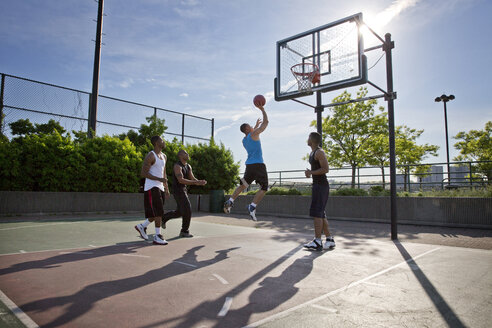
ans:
(159, 240)
(314, 244)
(252, 212)
(143, 231)
(330, 243)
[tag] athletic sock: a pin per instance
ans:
(157, 230)
(231, 200)
(146, 223)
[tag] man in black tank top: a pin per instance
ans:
(182, 177)
(320, 193)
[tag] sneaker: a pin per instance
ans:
(143, 231)
(185, 234)
(227, 206)
(159, 240)
(314, 244)
(252, 211)
(330, 243)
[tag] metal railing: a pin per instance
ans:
(463, 174)
(22, 98)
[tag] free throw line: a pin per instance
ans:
(24, 318)
(336, 291)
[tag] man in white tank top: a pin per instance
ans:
(155, 190)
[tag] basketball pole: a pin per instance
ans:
(95, 74)
(390, 97)
(319, 110)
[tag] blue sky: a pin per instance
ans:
(210, 58)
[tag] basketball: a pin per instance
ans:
(259, 101)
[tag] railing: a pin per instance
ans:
(463, 174)
(22, 98)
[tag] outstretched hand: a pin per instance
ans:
(258, 122)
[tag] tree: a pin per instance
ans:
(422, 171)
(378, 145)
(476, 145)
(347, 130)
(141, 140)
(24, 127)
(408, 153)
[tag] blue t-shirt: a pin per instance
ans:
(253, 147)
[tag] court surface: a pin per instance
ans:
(78, 271)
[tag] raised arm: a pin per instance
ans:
(256, 132)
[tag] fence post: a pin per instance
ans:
(212, 135)
(358, 177)
(280, 178)
(2, 87)
(183, 129)
(470, 174)
(155, 113)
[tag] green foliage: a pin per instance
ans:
(215, 164)
(484, 192)
(476, 145)
(278, 191)
(141, 139)
(349, 192)
(348, 129)
(378, 191)
(25, 127)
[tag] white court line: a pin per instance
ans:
(22, 251)
(92, 246)
(191, 265)
(24, 318)
(38, 225)
(324, 308)
(225, 307)
(219, 278)
(135, 255)
(62, 249)
(334, 292)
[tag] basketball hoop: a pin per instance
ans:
(306, 74)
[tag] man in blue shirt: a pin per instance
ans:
(255, 167)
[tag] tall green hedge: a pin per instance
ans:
(45, 160)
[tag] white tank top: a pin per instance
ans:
(157, 170)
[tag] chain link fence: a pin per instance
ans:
(22, 98)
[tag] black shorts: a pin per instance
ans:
(256, 172)
(154, 202)
(319, 200)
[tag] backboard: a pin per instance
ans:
(337, 49)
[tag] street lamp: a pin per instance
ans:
(445, 99)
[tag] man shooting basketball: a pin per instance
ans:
(320, 193)
(155, 190)
(255, 167)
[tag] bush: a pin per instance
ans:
(378, 191)
(278, 191)
(349, 192)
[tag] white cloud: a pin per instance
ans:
(184, 94)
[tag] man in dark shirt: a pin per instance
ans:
(320, 192)
(182, 177)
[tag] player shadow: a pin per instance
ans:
(83, 301)
(75, 256)
(441, 305)
(272, 292)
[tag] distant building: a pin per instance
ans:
(459, 174)
(435, 177)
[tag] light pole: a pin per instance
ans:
(445, 99)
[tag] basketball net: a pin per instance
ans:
(306, 74)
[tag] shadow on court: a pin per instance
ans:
(84, 300)
(271, 293)
(441, 305)
(75, 256)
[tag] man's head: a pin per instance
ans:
(157, 141)
(314, 139)
(183, 155)
(245, 128)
